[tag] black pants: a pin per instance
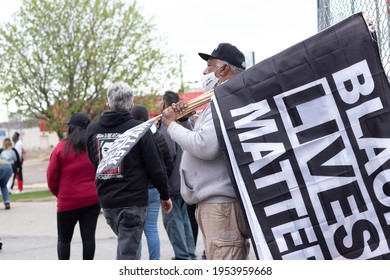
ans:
(194, 224)
(14, 171)
(66, 222)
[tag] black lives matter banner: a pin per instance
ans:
(307, 132)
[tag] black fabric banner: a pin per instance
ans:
(307, 135)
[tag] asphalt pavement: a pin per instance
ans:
(29, 229)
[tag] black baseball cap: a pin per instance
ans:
(228, 53)
(79, 119)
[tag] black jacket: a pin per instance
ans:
(176, 152)
(127, 185)
(165, 152)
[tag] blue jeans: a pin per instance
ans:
(178, 227)
(128, 224)
(5, 174)
(150, 228)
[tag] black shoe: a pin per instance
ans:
(7, 206)
(1, 245)
(204, 255)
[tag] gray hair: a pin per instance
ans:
(120, 97)
(235, 69)
(232, 68)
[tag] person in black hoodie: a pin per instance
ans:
(123, 192)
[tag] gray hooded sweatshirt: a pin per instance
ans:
(204, 174)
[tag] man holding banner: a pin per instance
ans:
(123, 190)
(307, 135)
(204, 174)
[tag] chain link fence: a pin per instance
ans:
(377, 11)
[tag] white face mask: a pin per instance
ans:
(209, 80)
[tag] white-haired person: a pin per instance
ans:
(123, 191)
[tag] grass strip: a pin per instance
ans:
(30, 196)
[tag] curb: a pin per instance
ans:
(32, 188)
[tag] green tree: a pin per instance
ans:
(59, 56)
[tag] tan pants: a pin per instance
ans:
(225, 233)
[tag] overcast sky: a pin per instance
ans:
(264, 27)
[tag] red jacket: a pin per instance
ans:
(71, 179)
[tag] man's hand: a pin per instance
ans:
(170, 114)
(180, 107)
(166, 205)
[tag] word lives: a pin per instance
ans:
(317, 171)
